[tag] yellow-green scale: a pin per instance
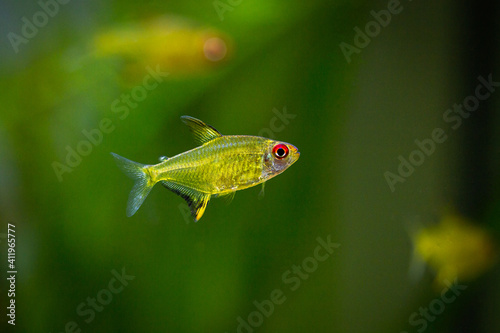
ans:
(222, 165)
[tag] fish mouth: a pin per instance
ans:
(294, 150)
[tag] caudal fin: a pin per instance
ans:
(417, 266)
(142, 182)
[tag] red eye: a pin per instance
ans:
(280, 151)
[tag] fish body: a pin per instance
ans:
(176, 45)
(222, 165)
(455, 248)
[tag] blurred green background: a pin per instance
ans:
(352, 121)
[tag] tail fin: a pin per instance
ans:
(417, 266)
(142, 182)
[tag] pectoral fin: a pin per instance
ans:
(201, 131)
(228, 197)
(196, 200)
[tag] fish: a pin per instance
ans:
(454, 248)
(177, 45)
(220, 166)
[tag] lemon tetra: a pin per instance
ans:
(222, 165)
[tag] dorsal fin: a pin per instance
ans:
(202, 132)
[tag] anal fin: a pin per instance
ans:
(196, 200)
